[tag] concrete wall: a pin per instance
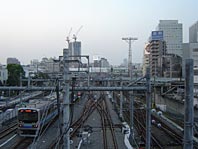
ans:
(173, 105)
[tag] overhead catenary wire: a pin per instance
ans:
(40, 132)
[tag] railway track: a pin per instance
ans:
(90, 106)
(22, 143)
(9, 129)
(107, 124)
(87, 111)
(162, 136)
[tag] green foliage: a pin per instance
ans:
(41, 75)
(14, 71)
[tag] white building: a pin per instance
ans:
(172, 32)
(3, 74)
(34, 62)
(193, 33)
(49, 65)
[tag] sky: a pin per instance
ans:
(32, 29)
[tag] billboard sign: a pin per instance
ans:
(157, 35)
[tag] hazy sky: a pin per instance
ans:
(32, 29)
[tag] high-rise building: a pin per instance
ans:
(190, 50)
(193, 33)
(172, 35)
(153, 54)
(157, 51)
(75, 49)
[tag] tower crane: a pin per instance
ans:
(75, 35)
(67, 38)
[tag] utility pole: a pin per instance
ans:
(88, 83)
(130, 73)
(129, 41)
(20, 91)
(189, 109)
(29, 79)
(148, 109)
(58, 106)
(66, 102)
(121, 101)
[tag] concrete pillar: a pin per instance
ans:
(189, 109)
(148, 109)
(66, 104)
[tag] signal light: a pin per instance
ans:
(28, 110)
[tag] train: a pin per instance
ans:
(36, 115)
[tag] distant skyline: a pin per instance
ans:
(32, 29)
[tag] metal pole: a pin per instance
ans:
(170, 68)
(20, 79)
(58, 106)
(131, 114)
(148, 109)
(20, 92)
(121, 101)
(66, 111)
(154, 97)
(131, 93)
(28, 80)
(189, 109)
(130, 60)
(88, 72)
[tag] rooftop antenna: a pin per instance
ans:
(75, 35)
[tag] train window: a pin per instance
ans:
(30, 116)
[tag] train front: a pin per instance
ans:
(28, 122)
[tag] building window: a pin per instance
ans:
(195, 50)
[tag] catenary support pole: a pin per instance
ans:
(88, 79)
(189, 109)
(20, 91)
(58, 106)
(28, 80)
(131, 114)
(148, 109)
(121, 102)
(66, 104)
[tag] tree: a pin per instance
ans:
(14, 71)
(41, 75)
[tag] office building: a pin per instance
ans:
(172, 35)
(193, 33)
(75, 49)
(157, 51)
(190, 50)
